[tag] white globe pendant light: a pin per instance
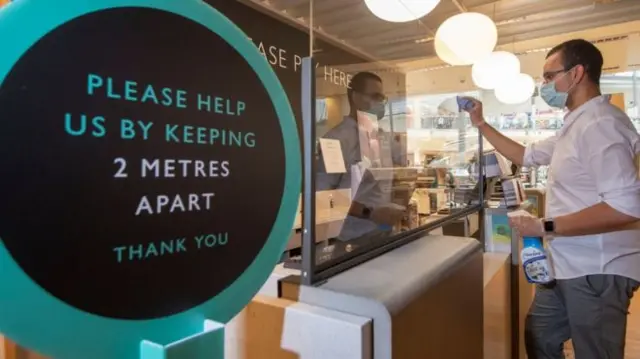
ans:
(516, 90)
(401, 10)
(446, 54)
(491, 71)
(467, 37)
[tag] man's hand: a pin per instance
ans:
(387, 215)
(476, 112)
(527, 226)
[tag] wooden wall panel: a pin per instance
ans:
(8, 349)
(497, 306)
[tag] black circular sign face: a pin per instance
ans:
(143, 163)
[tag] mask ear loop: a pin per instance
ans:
(573, 85)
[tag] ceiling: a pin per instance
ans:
(351, 24)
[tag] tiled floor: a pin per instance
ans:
(633, 332)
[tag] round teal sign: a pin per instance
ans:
(154, 169)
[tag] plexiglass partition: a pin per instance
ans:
(389, 162)
(388, 155)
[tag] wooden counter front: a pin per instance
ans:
(10, 350)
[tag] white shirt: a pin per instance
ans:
(355, 145)
(592, 159)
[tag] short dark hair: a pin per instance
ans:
(581, 52)
(358, 82)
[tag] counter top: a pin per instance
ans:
(386, 285)
(395, 278)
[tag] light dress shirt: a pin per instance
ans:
(358, 147)
(591, 160)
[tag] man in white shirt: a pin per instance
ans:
(593, 202)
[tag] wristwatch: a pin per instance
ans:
(549, 225)
(366, 212)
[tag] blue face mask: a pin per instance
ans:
(553, 97)
(378, 109)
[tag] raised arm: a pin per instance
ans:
(507, 147)
(537, 154)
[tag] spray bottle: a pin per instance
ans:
(535, 262)
(533, 256)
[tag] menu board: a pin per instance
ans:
(132, 134)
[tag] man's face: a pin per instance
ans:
(370, 95)
(565, 79)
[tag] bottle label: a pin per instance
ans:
(536, 269)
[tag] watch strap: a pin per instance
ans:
(366, 212)
(549, 225)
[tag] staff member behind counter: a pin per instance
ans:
(371, 213)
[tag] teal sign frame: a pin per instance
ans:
(34, 318)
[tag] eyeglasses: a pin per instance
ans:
(550, 75)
